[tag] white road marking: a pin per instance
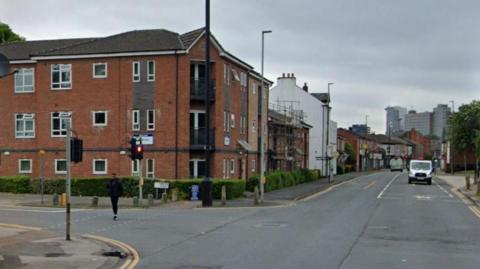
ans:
(39, 210)
(386, 187)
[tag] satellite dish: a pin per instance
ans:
(4, 65)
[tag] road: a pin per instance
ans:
(374, 221)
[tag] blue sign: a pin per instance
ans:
(195, 191)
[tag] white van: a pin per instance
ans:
(420, 170)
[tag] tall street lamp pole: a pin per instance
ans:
(262, 131)
(329, 168)
(452, 160)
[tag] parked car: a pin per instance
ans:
(396, 164)
(420, 170)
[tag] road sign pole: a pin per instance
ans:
(68, 179)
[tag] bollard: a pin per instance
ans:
(95, 201)
(224, 195)
(63, 200)
(135, 201)
(255, 195)
(174, 195)
(55, 199)
(150, 199)
(467, 181)
(164, 197)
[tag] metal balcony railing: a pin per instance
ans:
(197, 89)
(198, 138)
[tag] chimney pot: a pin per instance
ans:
(283, 75)
(293, 75)
(305, 87)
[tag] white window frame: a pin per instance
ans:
(100, 124)
(254, 88)
(100, 76)
(232, 166)
(21, 88)
(195, 166)
(254, 126)
(151, 125)
(104, 172)
(20, 171)
(232, 120)
(235, 75)
(150, 168)
(61, 119)
(150, 76)
(25, 117)
(135, 167)
(136, 123)
(254, 165)
(57, 172)
(135, 76)
(61, 68)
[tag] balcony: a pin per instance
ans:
(197, 89)
(198, 138)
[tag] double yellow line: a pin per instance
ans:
(370, 184)
(475, 211)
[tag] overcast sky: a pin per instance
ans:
(413, 53)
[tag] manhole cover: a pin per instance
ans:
(271, 225)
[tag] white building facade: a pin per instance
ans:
(287, 93)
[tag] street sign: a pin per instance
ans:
(147, 139)
(161, 185)
(195, 191)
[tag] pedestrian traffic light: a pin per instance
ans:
(133, 149)
(76, 150)
(139, 152)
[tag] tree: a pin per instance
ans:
(463, 129)
(351, 160)
(7, 35)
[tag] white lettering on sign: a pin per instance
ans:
(161, 185)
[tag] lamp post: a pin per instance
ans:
(66, 118)
(262, 131)
(452, 160)
(329, 168)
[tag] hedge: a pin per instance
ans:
(15, 184)
(278, 179)
(97, 187)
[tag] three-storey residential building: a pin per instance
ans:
(147, 84)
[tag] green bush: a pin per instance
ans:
(252, 182)
(15, 184)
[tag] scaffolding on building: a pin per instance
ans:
(287, 139)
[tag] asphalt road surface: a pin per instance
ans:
(375, 221)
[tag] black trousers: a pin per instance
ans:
(114, 200)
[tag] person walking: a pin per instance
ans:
(115, 190)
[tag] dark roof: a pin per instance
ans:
(383, 139)
(133, 41)
(22, 50)
(323, 97)
(189, 37)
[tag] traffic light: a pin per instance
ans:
(76, 150)
(133, 149)
(139, 152)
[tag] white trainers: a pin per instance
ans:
(114, 217)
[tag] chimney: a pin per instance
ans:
(293, 75)
(283, 75)
(288, 75)
(305, 87)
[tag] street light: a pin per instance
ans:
(262, 131)
(452, 160)
(329, 172)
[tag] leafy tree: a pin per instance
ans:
(351, 154)
(464, 127)
(7, 35)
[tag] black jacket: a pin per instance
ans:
(115, 188)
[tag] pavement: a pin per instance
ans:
(31, 247)
(458, 182)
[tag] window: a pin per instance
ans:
(100, 167)
(235, 75)
(24, 80)
(197, 168)
(100, 118)
(254, 88)
(232, 166)
(24, 125)
(151, 71)
(150, 120)
(150, 168)
(225, 168)
(61, 76)
(254, 165)
(232, 120)
(60, 166)
(243, 79)
(25, 166)
(100, 70)
(135, 120)
(136, 71)
(59, 124)
(226, 74)
(135, 167)
(254, 126)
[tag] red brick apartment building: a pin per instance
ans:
(147, 83)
